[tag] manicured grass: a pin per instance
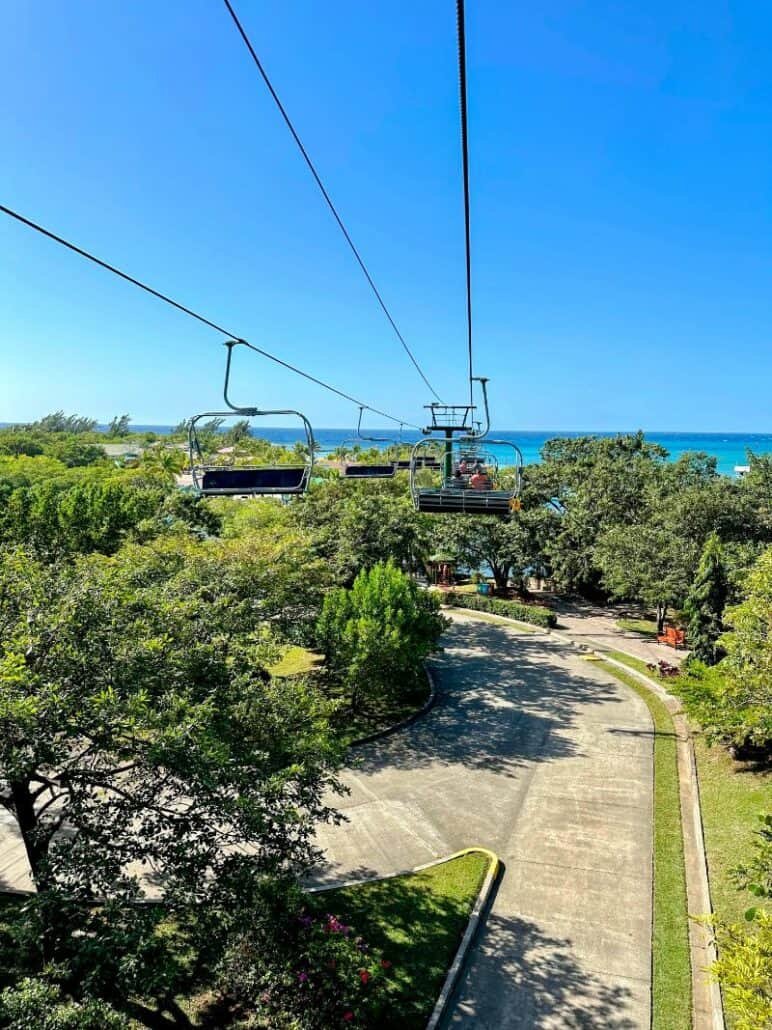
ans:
(295, 662)
(633, 663)
(417, 922)
(646, 627)
(671, 987)
(732, 795)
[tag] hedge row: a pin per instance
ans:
(496, 606)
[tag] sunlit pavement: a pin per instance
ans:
(537, 754)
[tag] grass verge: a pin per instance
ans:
(646, 627)
(732, 795)
(671, 972)
(417, 922)
(296, 661)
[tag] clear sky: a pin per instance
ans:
(621, 162)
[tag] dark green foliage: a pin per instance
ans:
(376, 635)
(733, 699)
(357, 525)
(89, 516)
(36, 1004)
(299, 967)
(134, 698)
(532, 613)
(705, 603)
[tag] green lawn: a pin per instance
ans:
(671, 987)
(295, 662)
(627, 659)
(417, 922)
(646, 627)
(732, 795)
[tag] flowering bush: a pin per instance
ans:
(310, 971)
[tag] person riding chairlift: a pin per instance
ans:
(480, 479)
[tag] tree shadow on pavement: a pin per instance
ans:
(506, 701)
(525, 979)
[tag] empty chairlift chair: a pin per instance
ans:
(222, 474)
(384, 469)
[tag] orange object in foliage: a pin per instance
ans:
(675, 638)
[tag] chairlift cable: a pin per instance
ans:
(461, 31)
(326, 195)
(194, 314)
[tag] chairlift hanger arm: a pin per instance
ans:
(483, 381)
(372, 439)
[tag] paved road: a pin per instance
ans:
(586, 621)
(540, 756)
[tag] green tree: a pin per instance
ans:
(643, 563)
(744, 966)
(136, 712)
(58, 422)
(747, 696)
(357, 525)
(706, 601)
(119, 426)
(376, 635)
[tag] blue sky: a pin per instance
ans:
(620, 157)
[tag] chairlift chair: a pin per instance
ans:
(369, 469)
(452, 491)
(226, 477)
(472, 478)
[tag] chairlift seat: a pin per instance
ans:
(450, 501)
(360, 470)
(282, 479)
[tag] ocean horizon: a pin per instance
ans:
(729, 449)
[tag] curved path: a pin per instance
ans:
(543, 758)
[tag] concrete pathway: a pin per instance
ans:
(537, 754)
(591, 622)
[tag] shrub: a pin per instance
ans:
(39, 1004)
(744, 966)
(532, 613)
(376, 635)
(663, 669)
(303, 970)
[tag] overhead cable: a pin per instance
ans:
(326, 195)
(461, 31)
(194, 314)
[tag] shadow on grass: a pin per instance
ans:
(416, 923)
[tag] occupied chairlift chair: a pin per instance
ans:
(369, 469)
(217, 478)
(473, 478)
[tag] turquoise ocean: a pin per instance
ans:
(729, 449)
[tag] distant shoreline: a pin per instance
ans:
(729, 449)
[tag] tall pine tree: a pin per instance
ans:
(705, 604)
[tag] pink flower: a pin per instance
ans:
(364, 976)
(302, 977)
(348, 1016)
(385, 963)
